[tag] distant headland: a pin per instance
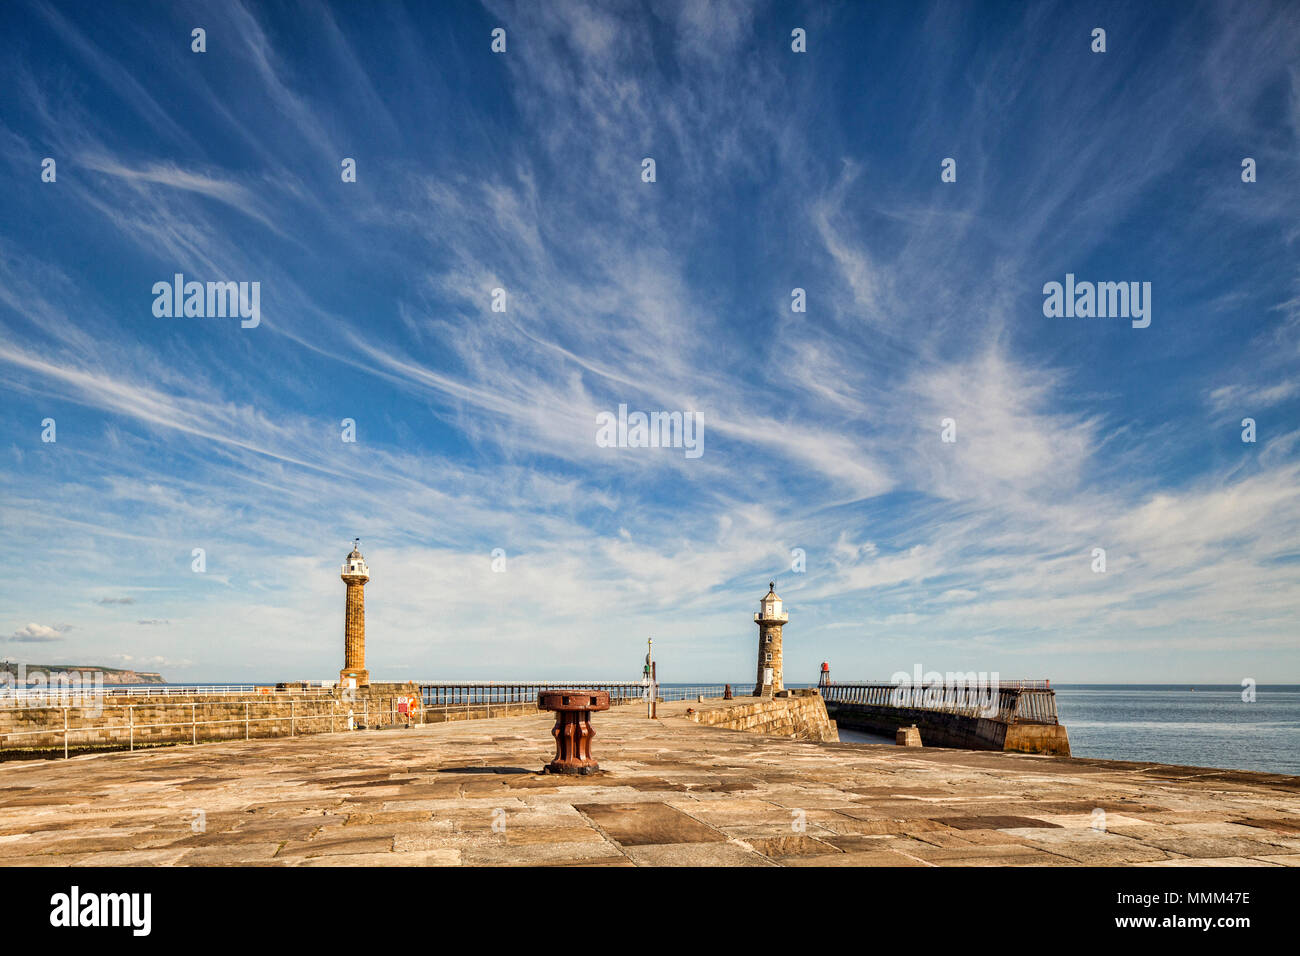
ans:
(81, 672)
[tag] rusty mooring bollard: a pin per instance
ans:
(726, 692)
(572, 730)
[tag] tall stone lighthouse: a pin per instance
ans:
(355, 575)
(769, 619)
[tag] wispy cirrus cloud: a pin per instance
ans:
(475, 429)
(1246, 397)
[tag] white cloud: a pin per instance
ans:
(39, 633)
(1247, 399)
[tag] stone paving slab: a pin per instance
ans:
(670, 793)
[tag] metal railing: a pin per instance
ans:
(1034, 706)
(465, 693)
(1019, 701)
(139, 732)
(1006, 684)
(73, 695)
(462, 693)
(692, 691)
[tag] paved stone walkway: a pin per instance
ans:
(670, 792)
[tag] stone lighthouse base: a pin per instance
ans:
(346, 677)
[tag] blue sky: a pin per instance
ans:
(475, 429)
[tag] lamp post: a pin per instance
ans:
(652, 688)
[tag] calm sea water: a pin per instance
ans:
(1209, 726)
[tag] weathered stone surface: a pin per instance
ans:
(869, 858)
(638, 824)
(695, 854)
(992, 822)
(786, 846)
(671, 792)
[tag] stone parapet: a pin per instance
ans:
(799, 714)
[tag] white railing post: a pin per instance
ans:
(65, 733)
(245, 720)
(130, 717)
(194, 723)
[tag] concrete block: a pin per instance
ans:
(908, 736)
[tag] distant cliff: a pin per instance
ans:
(83, 672)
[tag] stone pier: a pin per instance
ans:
(669, 792)
(1019, 716)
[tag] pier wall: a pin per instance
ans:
(801, 715)
(121, 722)
(940, 729)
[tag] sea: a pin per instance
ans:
(1205, 725)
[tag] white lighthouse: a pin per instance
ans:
(770, 618)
